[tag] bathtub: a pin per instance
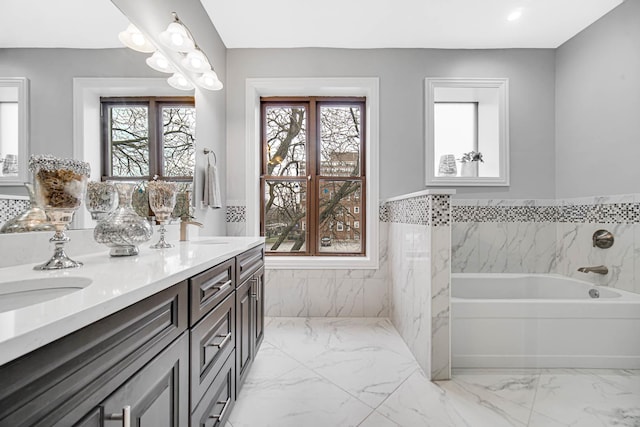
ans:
(541, 321)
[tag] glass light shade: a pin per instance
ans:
(196, 61)
(176, 38)
(180, 82)
(159, 62)
(134, 39)
(209, 80)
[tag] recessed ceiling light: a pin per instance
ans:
(515, 15)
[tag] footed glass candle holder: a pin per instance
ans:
(101, 199)
(59, 190)
(162, 199)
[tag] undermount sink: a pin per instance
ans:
(22, 293)
(209, 242)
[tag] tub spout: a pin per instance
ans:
(599, 269)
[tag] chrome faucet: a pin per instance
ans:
(599, 269)
(184, 234)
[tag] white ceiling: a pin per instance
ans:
(402, 23)
(60, 23)
(325, 23)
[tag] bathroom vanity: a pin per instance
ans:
(168, 344)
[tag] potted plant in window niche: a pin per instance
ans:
(469, 163)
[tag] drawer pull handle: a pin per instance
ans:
(216, 286)
(224, 409)
(223, 342)
(125, 416)
(250, 261)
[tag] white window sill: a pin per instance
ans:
(310, 262)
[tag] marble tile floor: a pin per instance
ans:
(338, 372)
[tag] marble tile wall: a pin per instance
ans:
(330, 292)
(500, 236)
(419, 276)
(580, 218)
(548, 236)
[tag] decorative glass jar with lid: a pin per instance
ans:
(123, 229)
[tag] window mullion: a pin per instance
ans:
(154, 152)
(312, 171)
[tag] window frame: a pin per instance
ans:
(313, 177)
(155, 140)
(255, 87)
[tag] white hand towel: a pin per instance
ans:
(212, 187)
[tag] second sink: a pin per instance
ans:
(22, 293)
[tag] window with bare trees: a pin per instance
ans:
(144, 137)
(313, 176)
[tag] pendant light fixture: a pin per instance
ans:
(181, 56)
(134, 39)
(159, 62)
(179, 81)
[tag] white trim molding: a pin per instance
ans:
(21, 84)
(348, 86)
(468, 90)
(86, 118)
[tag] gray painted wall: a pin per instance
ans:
(402, 73)
(50, 73)
(598, 107)
(153, 16)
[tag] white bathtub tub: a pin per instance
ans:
(536, 320)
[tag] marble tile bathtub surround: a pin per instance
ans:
(548, 236)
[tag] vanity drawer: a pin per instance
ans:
(248, 262)
(212, 341)
(208, 289)
(218, 400)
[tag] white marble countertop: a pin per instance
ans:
(117, 283)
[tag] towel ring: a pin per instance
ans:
(210, 151)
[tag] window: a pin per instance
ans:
(455, 127)
(144, 137)
(356, 210)
(312, 162)
(356, 224)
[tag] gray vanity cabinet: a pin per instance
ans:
(245, 325)
(69, 379)
(157, 395)
(258, 303)
(249, 310)
(173, 359)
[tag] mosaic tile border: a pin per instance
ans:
(602, 213)
(434, 210)
(421, 210)
(236, 214)
(10, 208)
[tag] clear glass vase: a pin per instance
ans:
(123, 229)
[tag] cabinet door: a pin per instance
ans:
(258, 303)
(158, 394)
(244, 331)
